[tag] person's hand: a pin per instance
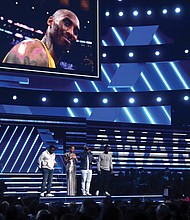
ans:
(111, 171)
(55, 163)
(39, 168)
(74, 156)
(99, 171)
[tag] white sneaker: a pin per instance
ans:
(42, 194)
(97, 192)
(84, 194)
(107, 193)
(88, 194)
(49, 195)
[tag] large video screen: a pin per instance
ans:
(53, 37)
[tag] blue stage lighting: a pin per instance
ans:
(177, 10)
(120, 13)
(44, 99)
(131, 54)
(104, 55)
(164, 11)
(149, 12)
(158, 99)
(75, 100)
(131, 100)
(105, 100)
(186, 98)
(157, 53)
(14, 97)
(186, 51)
(135, 13)
(107, 13)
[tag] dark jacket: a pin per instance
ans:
(83, 160)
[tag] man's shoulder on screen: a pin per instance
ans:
(28, 52)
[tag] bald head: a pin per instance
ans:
(63, 29)
(67, 13)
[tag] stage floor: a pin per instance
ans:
(99, 199)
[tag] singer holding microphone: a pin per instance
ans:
(70, 160)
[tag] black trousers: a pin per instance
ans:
(104, 179)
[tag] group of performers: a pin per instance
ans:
(46, 163)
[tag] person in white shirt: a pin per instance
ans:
(105, 168)
(46, 163)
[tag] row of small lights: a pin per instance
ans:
(157, 53)
(105, 100)
(149, 12)
(135, 13)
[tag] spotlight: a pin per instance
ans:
(44, 99)
(135, 13)
(164, 11)
(16, 3)
(186, 51)
(149, 12)
(177, 10)
(131, 100)
(75, 100)
(186, 97)
(157, 53)
(158, 99)
(33, 8)
(14, 97)
(131, 54)
(104, 55)
(105, 100)
(120, 13)
(107, 13)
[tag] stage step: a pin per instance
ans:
(21, 184)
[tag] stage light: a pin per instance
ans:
(177, 10)
(33, 8)
(131, 100)
(107, 13)
(47, 12)
(104, 55)
(164, 11)
(157, 53)
(9, 21)
(44, 99)
(158, 99)
(120, 13)
(75, 100)
(16, 3)
(135, 13)
(131, 54)
(14, 97)
(186, 98)
(186, 51)
(149, 12)
(105, 100)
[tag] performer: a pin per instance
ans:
(70, 159)
(62, 31)
(105, 168)
(46, 163)
(86, 159)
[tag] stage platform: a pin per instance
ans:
(99, 199)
